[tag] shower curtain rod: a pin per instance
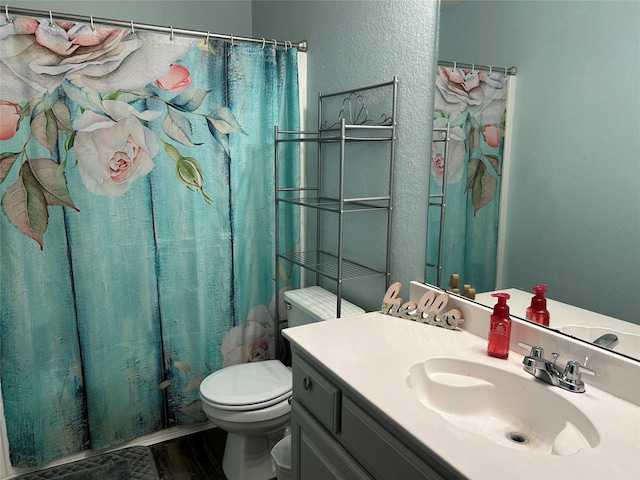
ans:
(8, 11)
(487, 68)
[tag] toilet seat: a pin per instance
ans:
(248, 386)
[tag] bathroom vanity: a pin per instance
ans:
(380, 397)
(338, 436)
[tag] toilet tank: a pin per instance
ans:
(313, 304)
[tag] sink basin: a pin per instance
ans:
(628, 343)
(511, 410)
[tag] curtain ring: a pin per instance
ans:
(207, 39)
(6, 14)
(50, 19)
(490, 69)
(454, 66)
(93, 27)
(473, 68)
(232, 45)
(275, 43)
(264, 42)
(171, 34)
(133, 29)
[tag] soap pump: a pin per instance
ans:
(500, 328)
(537, 311)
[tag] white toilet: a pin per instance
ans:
(250, 401)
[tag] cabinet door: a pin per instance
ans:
(316, 455)
(382, 454)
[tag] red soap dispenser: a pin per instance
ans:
(537, 311)
(500, 328)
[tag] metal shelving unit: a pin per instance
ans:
(353, 124)
(438, 200)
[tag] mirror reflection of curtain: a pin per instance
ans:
(474, 105)
(136, 229)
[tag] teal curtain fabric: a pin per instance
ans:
(474, 105)
(136, 229)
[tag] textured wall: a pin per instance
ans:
(357, 43)
(574, 202)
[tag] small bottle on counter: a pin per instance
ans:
(537, 311)
(500, 328)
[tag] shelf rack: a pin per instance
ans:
(351, 124)
(439, 200)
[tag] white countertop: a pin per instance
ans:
(372, 353)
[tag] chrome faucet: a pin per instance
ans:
(567, 378)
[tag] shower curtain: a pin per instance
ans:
(474, 104)
(136, 228)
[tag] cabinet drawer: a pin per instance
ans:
(317, 394)
(382, 454)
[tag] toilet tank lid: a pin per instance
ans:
(319, 303)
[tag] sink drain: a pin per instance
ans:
(518, 437)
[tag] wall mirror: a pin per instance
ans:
(573, 202)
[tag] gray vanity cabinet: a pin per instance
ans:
(337, 436)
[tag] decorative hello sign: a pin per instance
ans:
(427, 310)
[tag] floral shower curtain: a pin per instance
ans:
(136, 228)
(474, 104)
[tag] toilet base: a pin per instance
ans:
(248, 457)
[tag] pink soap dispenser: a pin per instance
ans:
(537, 311)
(500, 328)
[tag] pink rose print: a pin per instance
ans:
(114, 151)
(67, 39)
(176, 80)
(491, 134)
(123, 160)
(259, 350)
(456, 155)
(9, 120)
(252, 341)
(25, 26)
(111, 158)
(460, 85)
(42, 54)
(456, 164)
(437, 165)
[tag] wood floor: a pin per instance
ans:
(197, 456)
(193, 457)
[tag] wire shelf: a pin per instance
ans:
(349, 205)
(353, 133)
(326, 264)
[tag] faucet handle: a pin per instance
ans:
(573, 369)
(537, 352)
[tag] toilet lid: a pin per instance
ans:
(248, 385)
